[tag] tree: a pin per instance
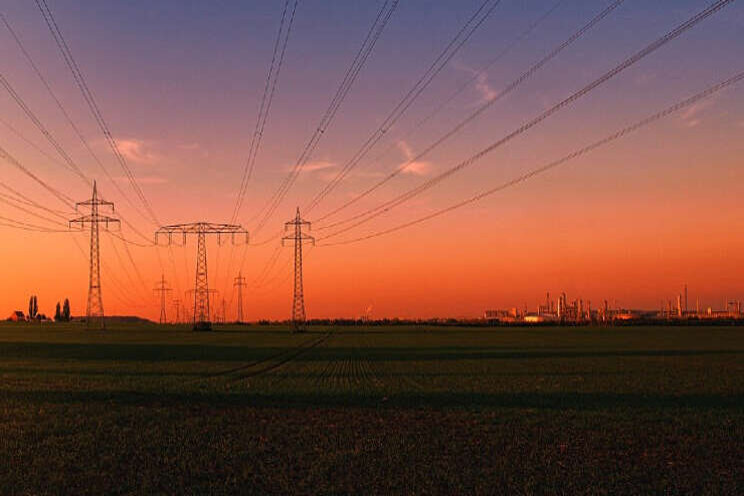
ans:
(66, 310)
(58, 313)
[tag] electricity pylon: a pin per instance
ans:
(298, 302)
(177, 304)
(240, 284)
(94, 316)
(205, 325)
(162, 288)
(201, 287)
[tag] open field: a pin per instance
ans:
(371, 410)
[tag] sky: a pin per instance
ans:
(179, 85)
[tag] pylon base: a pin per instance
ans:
(203, 326)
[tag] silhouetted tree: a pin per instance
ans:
(66, 310)
(58, 313)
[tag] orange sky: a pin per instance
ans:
(631, 222)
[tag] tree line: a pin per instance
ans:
(61, 312)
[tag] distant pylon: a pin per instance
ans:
(201, 286)
(224, 315)
(94, 310)
(240, 283)
(162, 288)
(177, 305)
(298, 301)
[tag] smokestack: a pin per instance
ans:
(679, 305)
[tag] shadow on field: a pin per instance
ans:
(558, 401)
(237, 353)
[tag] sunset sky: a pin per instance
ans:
(180, 83)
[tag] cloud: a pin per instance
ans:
(485, 89)
(318, 165)
(691, 117)
(137, 151)
(320, 169)
(416, 168)
(482, 86)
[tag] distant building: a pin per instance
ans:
(17, 316)
(501, 315)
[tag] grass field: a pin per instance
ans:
(372, 410)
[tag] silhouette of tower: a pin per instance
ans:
(201, 289)
(201, 285)
(177, 305)
(240, 283)
(162, 288)
(298, 237)
(94, 310)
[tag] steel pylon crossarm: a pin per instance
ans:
(201, 316)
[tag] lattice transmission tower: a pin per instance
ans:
(163, 289)
(177, 305)
(208, 295)
(240, 284)
(201, 290)
(298, 237)
(94, 316)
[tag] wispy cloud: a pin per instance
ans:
(692, 116)
(318, 165)
(417, 168)
(482, 86)
(485, 89)
(137, 151)
(319, 169)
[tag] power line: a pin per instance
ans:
(444, 57)
(66, 115)
(266, 100)
(69, 163)
(8, 200)
(444, 103)
(557, 163)
(92, 105)
(20, 197)
(66, 200)
(128, 275)
(389, 205)
(375, 31)
(351, 74)
(490, 102)
(25, 226)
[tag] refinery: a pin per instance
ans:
(580, 311)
